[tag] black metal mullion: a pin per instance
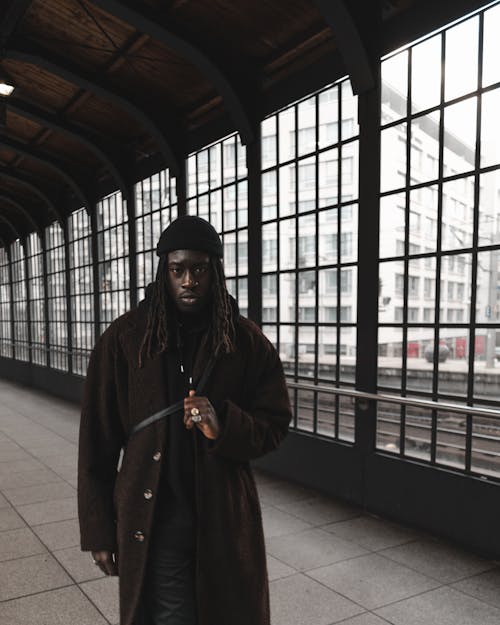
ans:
(254, 162)
(475, 245)
(236, 221)
(316, 268)
(338, 263)
(95, 270)
(297, 274)
(67, 280)
(437, 318)
(278, 238)
(132, 240)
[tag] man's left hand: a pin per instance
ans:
(209, 424)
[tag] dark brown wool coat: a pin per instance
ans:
(248, 391)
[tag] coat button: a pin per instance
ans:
(139, 536)
(157, 456)
(148, 493)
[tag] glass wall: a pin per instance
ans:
(36, 299)
(81, 289)
(439, 306)
(113, 258)
(309, 250)
(19, 301)
(56, 297)
(156, 207)
(5, 306)
(217, 191)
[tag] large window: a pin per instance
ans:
(81, 289)
(217, 191)
(56, 296)
(5, 303)
(113, 259)
(19, 301)
(156, 207)
(439, 305)
(309, 250)
(37, 299)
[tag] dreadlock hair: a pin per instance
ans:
(156, 336)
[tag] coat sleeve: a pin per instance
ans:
(259, 428)
(100, 441)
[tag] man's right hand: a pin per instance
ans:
(106, 561)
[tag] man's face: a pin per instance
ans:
(189, 279)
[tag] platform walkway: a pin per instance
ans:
(328, 562)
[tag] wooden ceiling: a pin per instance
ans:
(107, 89)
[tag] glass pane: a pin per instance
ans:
(269, 142)
(307, 184)
(419, 359)
(424, 155)
(418, 433)
(488, 288)
(269, 247)
(307, 126)
(349, 126)
(490, 147)
(347, 354)
(461, 58)
(485, 446)
(450, 439)
(393, 158)
(453, 362)
(489, 208)
(287, 190)
(346, 418)
(388, 422)
(349, 172)
(348, 299)
(426, 74)
(392, 224)
(390, 350)
(327, 350)
(459, 137)
(326, 414)
(491, 67)
(287, 297)
(328, 178)
(394, 87)
(391, 287)
(286, 121)
(288, 244)
(457, 220)
(305, 410)
(328, 117)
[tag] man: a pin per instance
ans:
(180, 522)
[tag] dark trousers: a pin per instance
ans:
(169, 595)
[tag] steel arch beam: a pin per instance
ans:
(72, 131)
(192, 52)
(14, 177)
(36, 55)
(350, 44)
(20, 208)
(37, 155)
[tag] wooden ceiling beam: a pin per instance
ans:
(32, 53)
(350, 44)
(47, 160)
(190, 50)
(6, 197)
(82, 135)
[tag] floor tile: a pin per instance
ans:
(13, 454)
(19, 543)
(66, 606)
(372, 533)
(434, 559)
(311, 549)
(283, 492)
(28, 478)
(27, 576)
(78, 564)
(365, 619)
(104, 594)
(40, 492)
(277, 569)
(299, 600)
(445, 606)
(48, 511)
(373, 581)
(60, 534)
(10, 520)
(320, 510)
(485, 586)
(20, 466)
(277, 523)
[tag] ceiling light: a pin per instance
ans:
(6, 88)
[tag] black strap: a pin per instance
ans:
(179, 405)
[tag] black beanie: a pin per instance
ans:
(189, 232)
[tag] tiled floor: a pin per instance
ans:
(328, 562)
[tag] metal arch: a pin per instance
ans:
(7, 198)
(30, 152)
(38, 56)
(71, 130)
(190, 51)
(33, 188)
(11, 226)
(350, 44)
